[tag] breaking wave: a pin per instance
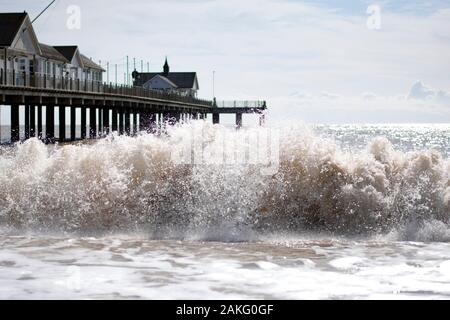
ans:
(123, 184)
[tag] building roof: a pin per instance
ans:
(183, 80)
(165, 79)
(50, 52)
(88, 63)
(67, 51)
(9, 25)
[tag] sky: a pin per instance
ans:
(312, 61)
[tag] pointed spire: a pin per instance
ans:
(166, 68)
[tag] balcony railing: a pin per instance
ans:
(44, 81)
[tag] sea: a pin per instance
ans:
(204, 211)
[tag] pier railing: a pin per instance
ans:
(257, 104)
(67, 83)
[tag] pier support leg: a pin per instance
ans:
(262, 120)
(106, 120)
(216, 118)
(40, 132)
(127, 122)
(27, 122)
(15, 133)
(121, 126)
(114, 120)
(32, 121)
(142, 121)
(83, 122)
(135, 129)
(238, 120)
(93, 123)
(100, 122)
(62, 123)
(73, 123)
(50, 124)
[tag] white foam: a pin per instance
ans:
(125, 184)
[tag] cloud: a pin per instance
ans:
(369, 96)
(420, 91)
(330, 96)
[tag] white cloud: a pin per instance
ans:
(420, 91)
(330, 96)
(369, 96)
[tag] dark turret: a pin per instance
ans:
(166, 68)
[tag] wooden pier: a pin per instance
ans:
(111, 108)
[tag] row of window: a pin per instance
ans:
(55, 69)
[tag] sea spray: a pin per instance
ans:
(129, 184)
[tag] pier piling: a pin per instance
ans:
(50, 123)
(62, 123)
(135, 122)
(121, 124)
(216, 118)
(32, 121)
(114, 120)
(106, 126)
(92, 123)
(127, 122)
(238, 120)
(83, 122)
(40, 132)
(73, 123)
(15, 128)
(27, 121)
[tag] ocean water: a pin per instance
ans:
(346, 212)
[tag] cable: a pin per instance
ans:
(43, 11)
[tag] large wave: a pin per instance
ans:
(125, 184)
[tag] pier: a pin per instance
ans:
(63, 88)
(110, 108)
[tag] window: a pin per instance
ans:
(22, 64)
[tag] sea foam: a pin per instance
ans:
(128, 184)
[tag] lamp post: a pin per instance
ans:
(214, 84)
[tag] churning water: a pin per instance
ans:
(350, 212)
